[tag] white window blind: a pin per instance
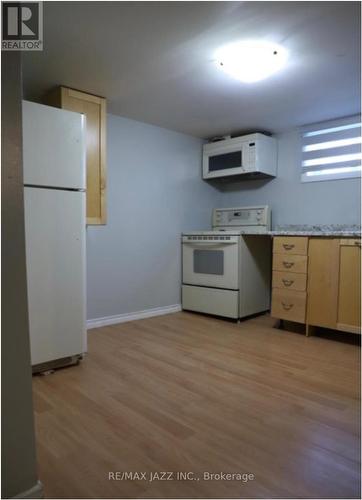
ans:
(332, 150)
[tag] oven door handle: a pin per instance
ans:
(209, 243)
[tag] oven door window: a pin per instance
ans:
(225, 161)
(209, 262)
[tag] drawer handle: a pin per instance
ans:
(288, 246)
(288, 265)
(358, 243)
(287, 282)
(287, 307)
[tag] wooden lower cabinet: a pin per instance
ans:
(290, 263)
(292, 245)
(289, 305)
(323, 282)
(290, 281)
(325, 287)
(349, 288)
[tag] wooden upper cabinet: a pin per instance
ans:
(349, 290)
(94, 108)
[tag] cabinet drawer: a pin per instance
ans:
(291, 263)
(290, 281)
(289, 305)
(297, 245)
(351, 242)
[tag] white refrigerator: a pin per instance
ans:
(55, 230)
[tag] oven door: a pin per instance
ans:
(211, 261)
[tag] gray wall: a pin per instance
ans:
(18, 446)
(155, 192)
(294, 202)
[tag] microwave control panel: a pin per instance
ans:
(241, 216)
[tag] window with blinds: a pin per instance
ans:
(332, 150)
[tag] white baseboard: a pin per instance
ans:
(35, 492)
(122, 318)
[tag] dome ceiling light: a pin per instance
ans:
(251, 61)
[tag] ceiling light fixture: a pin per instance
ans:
(251, 61)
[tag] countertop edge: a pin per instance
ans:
(339, 234)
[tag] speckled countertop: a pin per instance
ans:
(346, 230)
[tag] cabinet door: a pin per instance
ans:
(349, 290)
(94, 109)
(323, 282)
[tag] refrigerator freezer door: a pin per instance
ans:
(54, 147)
(55, 252)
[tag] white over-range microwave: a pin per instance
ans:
(253, 155)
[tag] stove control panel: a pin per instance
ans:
(242, 217)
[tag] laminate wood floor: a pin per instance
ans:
(191, 393)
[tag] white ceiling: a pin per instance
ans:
(153, 61)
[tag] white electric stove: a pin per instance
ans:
(226, 271)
